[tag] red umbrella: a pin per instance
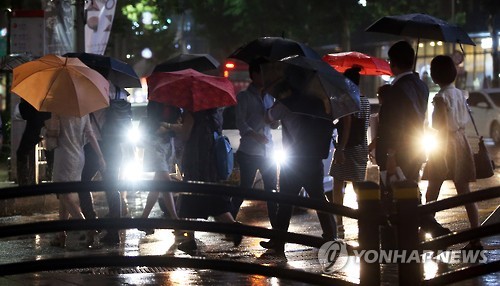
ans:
(369, 65)
(191, 90)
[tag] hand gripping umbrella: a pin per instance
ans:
(318, 89)
(191, 90)
(369, 65)
(61, 85)
(272, 49)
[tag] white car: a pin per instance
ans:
(485, 107)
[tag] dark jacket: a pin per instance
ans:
(401, 121)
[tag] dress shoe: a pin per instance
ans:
(277, 247)
(430, 225)
(188, 246)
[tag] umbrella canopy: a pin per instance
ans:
(369, 65)
(272, 49)
(319, 90)
(191, 90)
(65, 86)
(421, 26)
(9, 62)
(198, 62)
(118, 72)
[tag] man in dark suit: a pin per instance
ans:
(402, 115)
(401, 123)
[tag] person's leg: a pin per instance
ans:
(268, 170)
(291, 176)
(338, 197)
(168, 197)
(70, 205)
(433, 189)
(427, 222)
(472, 212)
(89, 170)
(228, 218)
(248, 168)
(313, 184)
(113, 156)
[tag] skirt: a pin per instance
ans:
(455, 161)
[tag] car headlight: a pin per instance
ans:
(430, 142)
(280, 156)
(134, 135)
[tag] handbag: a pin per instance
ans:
(483, 163)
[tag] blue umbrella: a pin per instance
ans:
(118, 72)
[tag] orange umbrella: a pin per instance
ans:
(61, 85)
(191, 90)
(369, 65)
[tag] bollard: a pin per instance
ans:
(368, 194)
(388, 234)
(406, 195)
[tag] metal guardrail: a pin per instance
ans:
(126, 223)
(369, 214)
(406, 195)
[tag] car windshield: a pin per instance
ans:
(495, 97)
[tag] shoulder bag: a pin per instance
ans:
(482, 159)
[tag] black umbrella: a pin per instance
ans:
(273, 49)
(198, 62)
(319, 90)
(118, 72)
(421, 26)
(9, 62)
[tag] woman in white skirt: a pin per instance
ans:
(454, 159)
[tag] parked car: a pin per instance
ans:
(485, 108)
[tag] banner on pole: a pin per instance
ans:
(99, 19)
(59, 27)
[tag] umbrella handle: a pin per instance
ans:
(416, 55)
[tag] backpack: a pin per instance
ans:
(224, 156)
(118, 120)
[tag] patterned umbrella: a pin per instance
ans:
(191, 90)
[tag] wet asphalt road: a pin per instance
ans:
(135, 243)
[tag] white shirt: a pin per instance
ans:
(456, 101)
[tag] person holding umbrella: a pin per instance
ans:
(256, 139)
(201, 97)
(71, 132)
(159, 153)
(455, 161)
(198, 164)
(307, 140)
(401, 125)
